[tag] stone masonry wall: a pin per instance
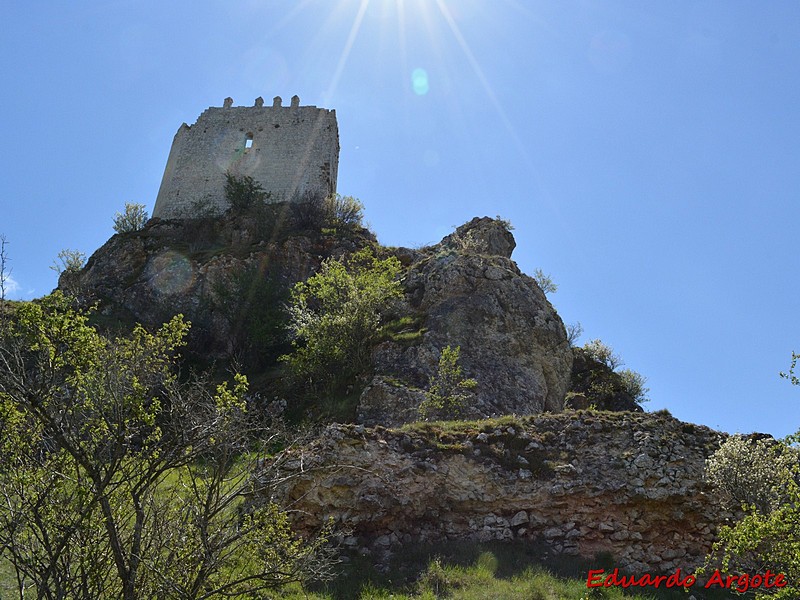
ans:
(581, 482)
(285, 149)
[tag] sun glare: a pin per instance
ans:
(416, 24)
(426, 36)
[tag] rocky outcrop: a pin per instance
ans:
(594, 384)
(583, 483)
(472, 295)
(230, 277)
(218, 272)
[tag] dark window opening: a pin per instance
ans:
(248, 143)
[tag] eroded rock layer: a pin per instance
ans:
(582, 482)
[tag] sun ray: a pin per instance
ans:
(401, 34)
(476, 67)
(348, 46)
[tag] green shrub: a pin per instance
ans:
(311, 210)
(762, 475)
(436, 579)
(335, 317)
(504, 223)
(243, 192)
(603, 353)
(545, 282)
(69, 261)
(634, 384)
(120, 480)
(602, 383)
(449, 389)
(132, 219)
(307, 211)
(253, 304)
(750, 472)
(343, 211)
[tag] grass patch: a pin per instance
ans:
(439, 428)
(406, 331)
(8, 582)
(472, 571)
(462, 571)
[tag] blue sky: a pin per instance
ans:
(646, 152)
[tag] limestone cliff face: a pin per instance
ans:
(214, 271)
(585, 482)
(464, 291)
(512, 341)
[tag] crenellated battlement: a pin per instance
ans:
(288, 150)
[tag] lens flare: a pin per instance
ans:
(419, 82)
(170, 273)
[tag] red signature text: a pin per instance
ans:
(740, 583)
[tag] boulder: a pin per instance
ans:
(595, 385)
(472, 295)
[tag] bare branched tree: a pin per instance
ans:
(5, 271)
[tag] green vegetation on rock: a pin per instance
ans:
(761, 477)
(448, 389)
(133, 218)
(335, 316)
(243, 192)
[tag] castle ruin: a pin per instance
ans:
(287, 150)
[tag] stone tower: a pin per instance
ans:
(288, 150)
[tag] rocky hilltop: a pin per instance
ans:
(465, 291)
(579, 481)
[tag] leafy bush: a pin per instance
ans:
(603, 353)
(505, 223)
(118, 480)
(69, 261)
(307, 210)
(253, 304)
(751, 472)
(343, 211)
(545, 282)
(243, 192)
(311, 210)
(132, 219)
(448, 389)
(634, 384)
(335, 317)
(603, 384)
(761, 476)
